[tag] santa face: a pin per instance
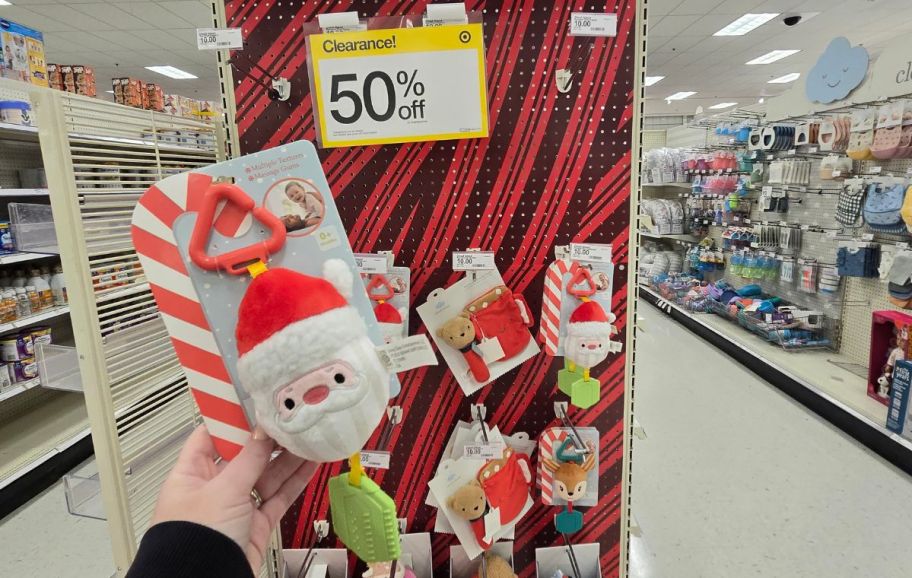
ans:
(323, 411)
(586, 350)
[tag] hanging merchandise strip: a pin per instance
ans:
(554, 170)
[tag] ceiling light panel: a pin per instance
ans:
(650, 80)
(680, 95)
(773, 56)
(722, 105)
(745, 24)
(172, 72)
(790, 77)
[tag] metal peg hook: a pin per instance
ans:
(574, 564)
(560, 408)
(478, 414)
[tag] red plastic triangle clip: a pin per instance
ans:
(581, 276)
(379, 282)
(233, 262)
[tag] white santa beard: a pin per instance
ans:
(340, 425)
(583, 356)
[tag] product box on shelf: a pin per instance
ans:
(23, 53)
(128, 91)
(890, 332)
(898, 419)
(84, 80)
(155, 98)
(55, 77)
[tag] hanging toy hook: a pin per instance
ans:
(378, 282)
(581, 276)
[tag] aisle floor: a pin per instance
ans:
(734, 478)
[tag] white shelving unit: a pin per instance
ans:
(36, 423)
(138, 403)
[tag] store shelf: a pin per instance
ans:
(18, 132)
(33, 319)
(18, 388)
(682, 238)
(36, 436)
(23, 192)
(811, 377)
(20, 257)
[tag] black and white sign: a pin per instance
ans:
(219, 38)
(593, 24)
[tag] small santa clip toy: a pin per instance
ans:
(391, 320)
(587, 342)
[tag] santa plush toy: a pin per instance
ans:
(392, 326)
(589, 332)
(306, 360)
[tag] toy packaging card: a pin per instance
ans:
(480, 327)
(603, 277)
(389, 288)
(557, 447)
(23, 53)
(289, 182)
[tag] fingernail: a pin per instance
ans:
(259, 434)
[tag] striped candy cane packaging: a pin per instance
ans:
(288, 342)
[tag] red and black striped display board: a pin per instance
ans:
(555, 169)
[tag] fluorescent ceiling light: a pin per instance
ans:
(650, 80)
(762, 100)
(745, 24)
(5, 3)
(679, 96)
(773, 56)
(110, 91)
(172, 72)
(722, 105)
(791, 76)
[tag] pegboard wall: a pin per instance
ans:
(555, 169)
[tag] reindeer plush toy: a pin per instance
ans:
(571, 473)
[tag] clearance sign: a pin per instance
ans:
(399, 85)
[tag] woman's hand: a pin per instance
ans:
(219, 495)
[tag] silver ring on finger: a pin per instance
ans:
(257, 499)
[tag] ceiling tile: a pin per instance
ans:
(672, 24)
(113, 16)
(65, 13)
(194, 12)
(156, 16)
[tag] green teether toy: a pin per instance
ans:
(567, 376)
(363, 515)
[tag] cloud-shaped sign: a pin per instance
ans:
(839, 71)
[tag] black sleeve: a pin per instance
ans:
(188, 550)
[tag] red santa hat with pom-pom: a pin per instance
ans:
(589, 319)
(288, 319)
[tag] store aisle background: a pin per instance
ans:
(734, 478)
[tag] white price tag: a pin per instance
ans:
(812, 150)
(484, 451)
(792, 152)
(445, 14)
(876, 170)
(767, 190)
(405, 354)
(491, 349)
(805, 227)
(909, 172)
(867, 237)
(375, 459)
(837, 174)
(593, 24)
(399, 85)
(219, 38)
(334, 22)
(473, 261)
(372, 263)
(591, 252)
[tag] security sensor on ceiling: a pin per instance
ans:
(792, 19)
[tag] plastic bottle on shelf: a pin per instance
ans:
(45, 296)
(23, 303)
(34, 298)
(19, 278)
(8, 306)
(58, 286)
(46, 274)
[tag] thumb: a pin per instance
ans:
(247, 467)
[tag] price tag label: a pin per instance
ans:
(591, 252)
(909, 172)
(593, 24)
(372, 263)
(406, 354)
(483, 451)
(399, 85)
(837, 174)
(219, 38)
(767, 190)
(792, 152)
(867, 237)
(876, 170)
(805, 227)
(812, 150)
(473, 260)
(375, 459)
